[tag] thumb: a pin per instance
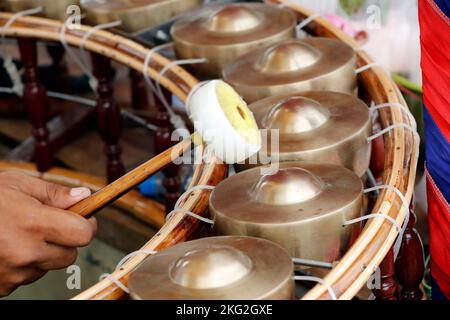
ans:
(52, 194)
(63, 197)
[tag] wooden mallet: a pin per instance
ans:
(221, 119)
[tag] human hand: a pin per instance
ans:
(36, 233)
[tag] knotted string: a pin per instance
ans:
(312, 263)
(147, 60)
(374, 107)
(90, 32)
(305, 22)
(175, 119)
(187, 212)
(318, 280)
(93, 83)
(116, 281)
(392, 127)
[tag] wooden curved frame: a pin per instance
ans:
(377, 238)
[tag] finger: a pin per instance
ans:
(32, 274)
(65, 228)
(56, 257)
(50, 193)
(20, 276)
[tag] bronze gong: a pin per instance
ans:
(221, 33)
(315, 126)
(51, 9)
(217, 268)
(302, 207)
(293, 66)
(135, 15)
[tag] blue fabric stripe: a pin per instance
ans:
(444, 5)
(437, 154)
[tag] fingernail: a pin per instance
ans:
(80, 192)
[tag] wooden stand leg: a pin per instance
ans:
(410, 264)
(59, 76)
(139, 98)
(109, 120)
(388, 288)
(35, 100)
(171, 180)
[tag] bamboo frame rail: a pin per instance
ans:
(378, 236)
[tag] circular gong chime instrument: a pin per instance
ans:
(301, 206)
(217, 268)
(314, 126)
(50, 8)
(221, 33)
(135, 15)
(293, 66)
(375, 241)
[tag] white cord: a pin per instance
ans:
(93, 103)
(90, 33)
(93, 83)
(372, 216)
(405, 204)
(318, 280)
(175, 119)
(306, 21)
(147, 60)
(16, 16)
(312, 263)
(192, 214)
(189, 213)
(116, 281)
(374, 107)
(367, 67)
(390, 128)
(72, 98)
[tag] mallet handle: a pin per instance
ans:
(116, 189)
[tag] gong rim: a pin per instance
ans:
(338, 183)
(244, 27)
(51, 9)
(184, 27)
(302, 207)
(135, 15)
(259, 73)
(341, 139)
(268, 274)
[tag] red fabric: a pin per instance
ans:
(435, 42)
(439, 224)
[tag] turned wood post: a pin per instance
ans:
(139, 97)
(109, 120)
(388, 289)
(35, 101)
(171, 181)
(410, 264)
(59, 75)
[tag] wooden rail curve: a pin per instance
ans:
(378, 236)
